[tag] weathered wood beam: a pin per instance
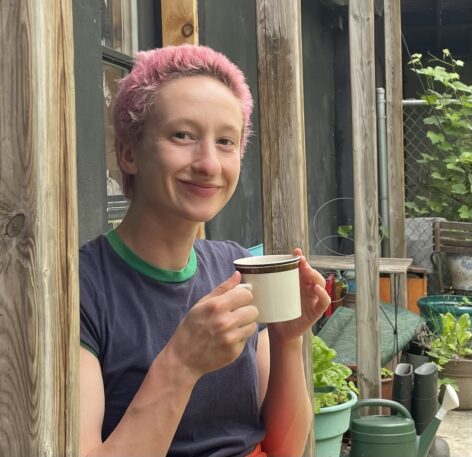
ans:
(39, 303)
(395, 154)
(179, 22)
(282, 135)
(366, 245)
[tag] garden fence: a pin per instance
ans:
(418, 230)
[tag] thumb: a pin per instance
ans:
(225, 286)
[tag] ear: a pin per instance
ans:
(126, 158)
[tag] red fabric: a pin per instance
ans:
(257, 452)
(330, 283)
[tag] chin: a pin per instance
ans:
(203, 213)
(203, 216)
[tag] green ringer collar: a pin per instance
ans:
(140, 265)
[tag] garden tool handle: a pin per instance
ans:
(393, 405)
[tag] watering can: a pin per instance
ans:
(395, 436)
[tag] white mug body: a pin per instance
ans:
(276, 293)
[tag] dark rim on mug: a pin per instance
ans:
(266, 264)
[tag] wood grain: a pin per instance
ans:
(362, 60)
(179, 22)
(395, 154)
(282, 137)
(39, 317)
(392, 265)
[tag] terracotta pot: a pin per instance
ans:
(386, 388)
(460, 371)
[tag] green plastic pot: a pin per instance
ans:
(433, 305)
(330, 425)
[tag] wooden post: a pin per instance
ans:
(364, 141)
(282, 135)
(180, 26)
(39, 306)
(179, 22)
(395, 156)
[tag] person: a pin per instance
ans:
(172, 361)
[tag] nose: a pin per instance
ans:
(207, 160)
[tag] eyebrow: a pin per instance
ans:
(195, 124)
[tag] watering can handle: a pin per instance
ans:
(393, 405)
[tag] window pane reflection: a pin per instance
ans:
(111, 75)
(117, 204)
(119, 25)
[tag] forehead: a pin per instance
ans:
(196, 95)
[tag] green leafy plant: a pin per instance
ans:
(466, 301)
(347, 231)
(454, 341)
(330, 379)
(448, 192)
(385, 373)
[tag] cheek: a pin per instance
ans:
(233, 170)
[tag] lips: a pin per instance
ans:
(200, 189)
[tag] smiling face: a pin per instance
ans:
(187, 164)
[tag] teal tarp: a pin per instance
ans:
(339, 332)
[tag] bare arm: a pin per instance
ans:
(286, 409)
(150, 422)
(211, 336)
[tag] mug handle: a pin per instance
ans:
(245, 286)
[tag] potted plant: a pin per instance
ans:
(432, 306)
(334, 397)
(417, 351)
(452, 352)
(386, 379)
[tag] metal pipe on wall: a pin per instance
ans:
(383, 166)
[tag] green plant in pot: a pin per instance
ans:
(452, 352)
(334, 397)
(447, 190)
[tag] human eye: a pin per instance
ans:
(227, 143)
(182, 136)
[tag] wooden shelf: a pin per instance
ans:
(347, 262)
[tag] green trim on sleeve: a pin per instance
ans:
(86, 346)
(145, 268)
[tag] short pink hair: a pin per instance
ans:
(154, 68)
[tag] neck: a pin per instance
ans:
(165, 243)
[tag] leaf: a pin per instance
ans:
(458, 85)
(431, 99)
(345, 231)
(465, 212)
(451, 166)
(438, 176)
(466, 158)
(459, 189)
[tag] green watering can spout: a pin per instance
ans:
(425, 440)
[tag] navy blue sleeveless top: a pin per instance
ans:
(129, 310)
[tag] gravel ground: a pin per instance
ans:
(456, 429)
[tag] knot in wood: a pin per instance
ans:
(187, 30)
(15, 225)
